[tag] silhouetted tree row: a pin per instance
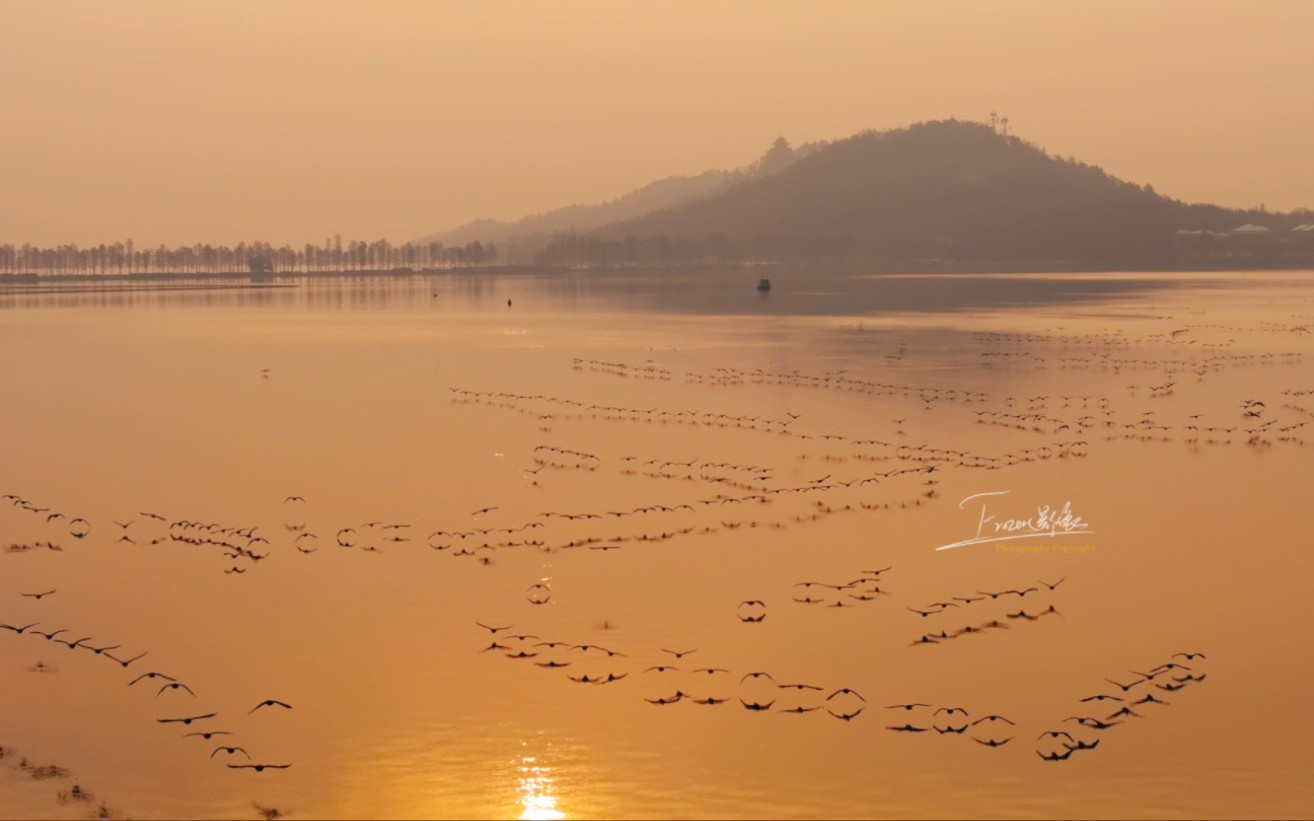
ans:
(255, 257)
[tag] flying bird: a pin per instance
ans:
(124, 662)
(991, 718)
(187, 720)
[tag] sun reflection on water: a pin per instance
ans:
(536, 791)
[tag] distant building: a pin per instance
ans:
(1249, 230)
(1246, 246)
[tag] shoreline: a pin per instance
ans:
(281, 279)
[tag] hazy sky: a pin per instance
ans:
(179, 122)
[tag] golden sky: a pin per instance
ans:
(180, 122)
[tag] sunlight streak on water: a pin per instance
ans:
(535, 788)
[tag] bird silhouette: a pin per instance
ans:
(906, 706)
(679, 654)
(123, 662)
(991, 718)
(187, 720)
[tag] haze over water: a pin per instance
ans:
(418, 401)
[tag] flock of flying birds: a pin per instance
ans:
(1015, 610)
(1072, 421)
(168, 690)
(857, 474)
(1139, 692)
(677, 676)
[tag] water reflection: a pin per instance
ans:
(340, 392)
(536, 791)
(802, 292)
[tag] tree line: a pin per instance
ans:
(245, 257)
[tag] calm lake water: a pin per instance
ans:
(714, 450)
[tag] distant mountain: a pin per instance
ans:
(944, 190)
(520, 240)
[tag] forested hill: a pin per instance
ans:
(663, 193)
(945, 190)
(521, 239)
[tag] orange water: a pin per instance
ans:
(118, 404)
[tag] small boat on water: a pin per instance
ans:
(764, 285)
